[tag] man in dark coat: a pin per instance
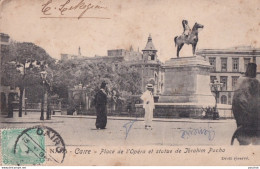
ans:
(101, 108)
(246, 108)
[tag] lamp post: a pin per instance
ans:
(216, 88)
(43, 76)
(48, 107)
(25, 108)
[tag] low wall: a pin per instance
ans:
(173, 110)
(179, 110)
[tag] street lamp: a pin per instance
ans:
(43, 76)
(25, 108)
(216, 88)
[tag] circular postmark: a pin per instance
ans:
(38, 144)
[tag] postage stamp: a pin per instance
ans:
(28, 146)
(19, 147)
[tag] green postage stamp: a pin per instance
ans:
(20, 146)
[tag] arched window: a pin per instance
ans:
(223, 99)
(152, 57)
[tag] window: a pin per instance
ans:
(223, 79)
(155, 77)
(246, 61)
(223, 99)
(4, 48)
(212, 62)
(151, 57)
(212, 79)
(235, 64)
(223, 64)
(234, 82)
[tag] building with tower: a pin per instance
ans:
(150, 67)
(146, 62)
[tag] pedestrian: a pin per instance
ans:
(101, 106)
(148, 105)
(246, 108)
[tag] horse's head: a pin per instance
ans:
(197, 26)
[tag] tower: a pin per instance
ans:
(79, 52)
(149, 52)
(151, 67)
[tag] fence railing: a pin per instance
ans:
(38, 106)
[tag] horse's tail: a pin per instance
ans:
(175, 40)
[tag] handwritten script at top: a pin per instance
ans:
(81, 7)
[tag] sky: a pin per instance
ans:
(122, 23)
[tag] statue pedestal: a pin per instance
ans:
(187, 80)
(186, 88)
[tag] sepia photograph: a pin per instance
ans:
(130, 82)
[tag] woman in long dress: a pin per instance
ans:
(101, 108)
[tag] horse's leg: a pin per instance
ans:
(194, 48)
(178, 51)
(179, 48)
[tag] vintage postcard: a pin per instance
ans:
(130, 82)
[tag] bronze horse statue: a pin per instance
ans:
(192, 39)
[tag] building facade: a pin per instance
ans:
(128, 55)
(228, 65)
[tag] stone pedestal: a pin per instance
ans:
(187, 81)
(186, 88)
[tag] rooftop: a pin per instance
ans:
(244, 50)
(149, 45)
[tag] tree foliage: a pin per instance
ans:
(22, 65)
(120, 77)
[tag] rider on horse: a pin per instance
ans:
(186, 28)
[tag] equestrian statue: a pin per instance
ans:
(189, 36)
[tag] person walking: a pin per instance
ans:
(148, 105)
(101, 106)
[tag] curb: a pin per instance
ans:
(31, 121)
(155, 119)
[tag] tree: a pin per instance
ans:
(22, 66)
(120, 77)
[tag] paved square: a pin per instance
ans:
(81, 131)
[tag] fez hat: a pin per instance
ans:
(149, 86)
(103, 84)
(251, 70)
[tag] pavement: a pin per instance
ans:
(28, 119)
(80, 130)
(59, 119)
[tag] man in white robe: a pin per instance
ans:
(148, 105)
